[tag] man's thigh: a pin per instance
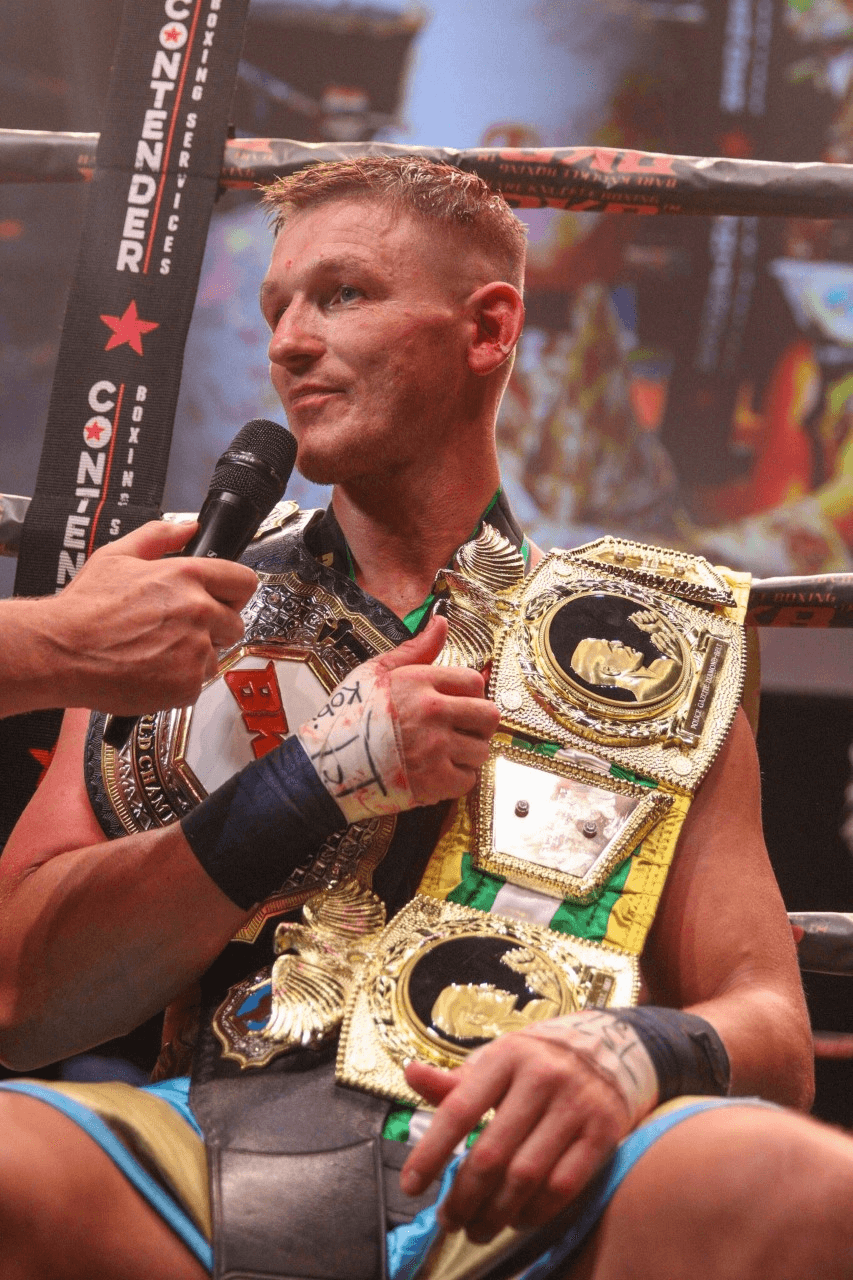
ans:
(68, 1213)
(731, 1194)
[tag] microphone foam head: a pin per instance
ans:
(257, 463)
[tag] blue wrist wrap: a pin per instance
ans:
(259, 826)
(688, 1055)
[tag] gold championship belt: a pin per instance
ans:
(300, 641)
(618, 669)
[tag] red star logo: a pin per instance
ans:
(128, 328)
(93, 432)
(172, 34)
(44, 758)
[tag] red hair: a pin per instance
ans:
(423, 189)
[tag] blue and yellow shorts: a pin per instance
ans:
(153, 1137)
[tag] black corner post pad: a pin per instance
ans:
(688, 1055)
(259, 826)
(118, 369)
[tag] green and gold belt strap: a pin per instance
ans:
(618, 669)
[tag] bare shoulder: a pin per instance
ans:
(59, 817)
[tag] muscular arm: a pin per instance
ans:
(721, 945)
(95, 936)
(721, 948)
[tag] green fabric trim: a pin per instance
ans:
(589, 919)
(476, 889)
(414, 618)
(398, 1123)
(495, 497)
(625, 775)
(396, 1127)
(474, 1135)
(550, 749)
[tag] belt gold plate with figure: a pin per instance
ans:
(436, 982)
(594, 660)
(443, 979)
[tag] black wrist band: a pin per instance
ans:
(259, 826)
(687, 1054)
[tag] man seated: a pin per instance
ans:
(394, 303)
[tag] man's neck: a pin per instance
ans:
(401, 535)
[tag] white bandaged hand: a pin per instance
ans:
(613, 1049)
(399, 732)
(354, 744)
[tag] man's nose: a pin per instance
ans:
(296, 340)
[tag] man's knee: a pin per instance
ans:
(735, 1193)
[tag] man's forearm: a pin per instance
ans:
(30, 678)
(766, 1033)
(114, 931)
(94, 941)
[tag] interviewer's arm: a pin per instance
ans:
(131, 633)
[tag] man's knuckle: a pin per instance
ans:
(457, 1110)
(485, 1158)
(198, 611)
(543, 1075)
(471, 683)
(194, 654)
(523, 1177)
(233, 626)
(563, 1184)
(608, 1129)
(432, 706)
(436, 746)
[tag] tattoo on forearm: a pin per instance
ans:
(613, 1049)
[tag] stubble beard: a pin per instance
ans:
(356, 460)
(356, 466)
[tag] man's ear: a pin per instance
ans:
(497, 313)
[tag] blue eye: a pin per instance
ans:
(347, 293)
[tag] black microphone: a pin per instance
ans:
(249, 479)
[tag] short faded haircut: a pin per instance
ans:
(425, 189)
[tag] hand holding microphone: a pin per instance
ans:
(179, 612)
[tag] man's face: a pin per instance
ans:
(368, 339)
